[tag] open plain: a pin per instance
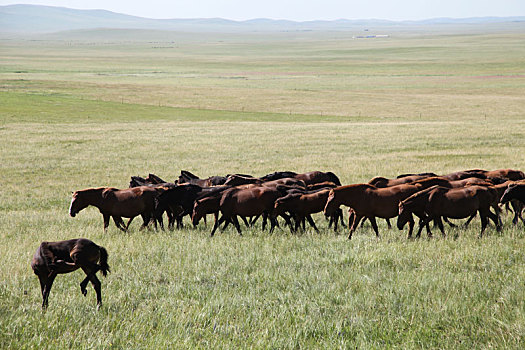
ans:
(92, 108)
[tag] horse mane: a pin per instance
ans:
(188, 175)
(333, 178)
(419, 194)
(420, 174)
(342, 188)
(377, 179)
(153, 177)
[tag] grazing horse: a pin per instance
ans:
(514, 191)
(456, 203)
(112, 202)
(516, 204)
(369, 202)
(52, 258)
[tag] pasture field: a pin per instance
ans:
(82, 110)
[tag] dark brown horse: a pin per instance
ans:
(249, 201)
(514, 191)
(369, 202)
(455, 203)
(383, 182)
(115, 203)
(53, 258)
(508, 174)
(314, 177)
(302, 205)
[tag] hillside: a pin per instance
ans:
(47, 19)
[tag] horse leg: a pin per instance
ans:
(388, 223)
(469, 220)
(440, 225)
(146, 217)
(495, 219)
(217, 224)
(129, 222)
(374, 225)
(341, 217)
(95, 282)
(236, 224)
(106, 222)
(47, 289)
(449, 222)
(410, 227)
(356, 218)
(264, 219)
(312, 223)
(253, 220)
(243, 218)
(273, 223)
(119, 223)
(484, 222)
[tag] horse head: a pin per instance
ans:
(331, 204)
(509, 194)
(404, 216)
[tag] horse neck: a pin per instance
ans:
(93, 197)
(351, 193)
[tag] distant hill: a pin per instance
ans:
(47, 19)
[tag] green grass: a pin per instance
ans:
(79, 119)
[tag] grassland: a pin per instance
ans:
(81, 110)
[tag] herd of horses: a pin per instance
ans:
(294, 197)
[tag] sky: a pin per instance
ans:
(298, 10)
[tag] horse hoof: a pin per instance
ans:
(84, 291)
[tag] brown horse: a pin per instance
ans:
(249, 201)
(314, 177)
(514, 191)
(53, 258)
(112, 202)
(302, 205)
(369, 202)
(384, 182)
(508, 174)
(457, 203)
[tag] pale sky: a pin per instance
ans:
(298, 10)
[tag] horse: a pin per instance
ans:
(314, 177)
(514, 191)
(516, 204)
(115, 203)
(302, 205)
(278, 175)
(210, 204)
(508, 174)
(369, 202)
(178, 200)
(382, 182)
(250, 201)
(457, 203)
(53, 258)
(460, 175)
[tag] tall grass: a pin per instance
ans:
(183, 289)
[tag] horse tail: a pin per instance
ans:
(104, 267)
(334, 178)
